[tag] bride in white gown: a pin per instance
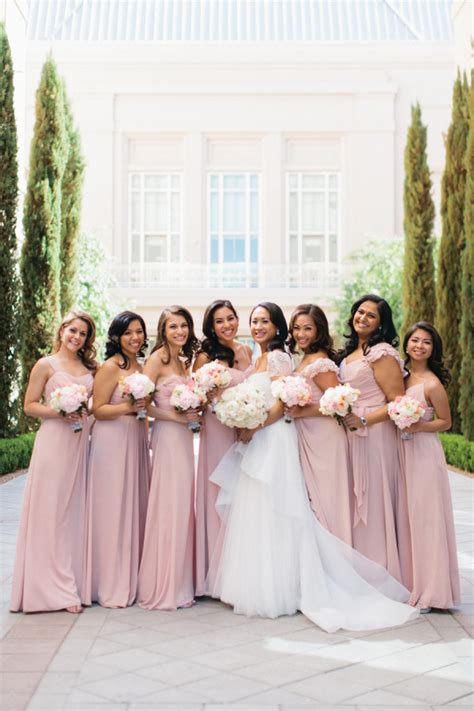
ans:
(276, 557)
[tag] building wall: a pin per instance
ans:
(463, 29)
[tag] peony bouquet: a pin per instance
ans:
(292, 390)
(405, 411)
(137, 387)
(70, 399)
(337, 402)
(243, 406)
(188, 396)
(212, 376)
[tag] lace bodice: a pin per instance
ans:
(360, 374)
(278, 364)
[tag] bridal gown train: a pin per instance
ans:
(276, 557)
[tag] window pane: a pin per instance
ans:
(333, 248)
(234, 250)
(175, 182)
(174, 251)
(214, 249)
(214, 212)
(313, 181)
(293, 181)
(135, 248)
(214, 182)
(313, 248)
(135, 182)
(175, 211)
(234, 181)
(254, 182)
(332, 216)
(156, 212)
(254, 249)
(293, 211)
(135, 216)
(294, 249)
(333, 182)
(155, 248)
(254, 211)
(234, 212)
(155, 182)
(313, 211)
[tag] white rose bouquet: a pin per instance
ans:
(70, 399)
(292, 390)
(405, 411)
(337, 402)
(243, 406)
(137, 386)
(188, 396)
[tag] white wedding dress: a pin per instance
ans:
(276, 558)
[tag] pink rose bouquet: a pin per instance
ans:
(188, 396)
(70, 399)
(292, 390)
(212, 376)
(405, 411)
(137, 386)
(337, 402)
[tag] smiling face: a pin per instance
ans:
(74, 335)
(419, 346)
(132, 339)
(304, 331)
(366, 319)
(225, 324)
(262, 329)
(176, 331)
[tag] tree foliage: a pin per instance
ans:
(40, 260)
(377, 270)
(448, 289)
(71, 200)
(466, 382)
(418, 266)
(9, 278)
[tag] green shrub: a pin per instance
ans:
(15, 453)
(458, 451)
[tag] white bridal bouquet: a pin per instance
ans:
(188, 396)
(337, 402)
(243, 406)
(405, 411)
(292, 390)
(69, 399)
(137, 387)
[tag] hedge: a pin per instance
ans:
(15, 453)
(458, 451)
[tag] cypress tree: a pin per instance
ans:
(40, 265)
(448, 288)
(9, 279)
(466, 383)
(70, 212)
(418, 267)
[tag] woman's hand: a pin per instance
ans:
(245, 435)
(73, 417)
(417, 427)
(193, 415)
(353, 422)
(138, 405)
(295, 411)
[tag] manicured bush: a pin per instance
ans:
(15, 453)
(458, 451)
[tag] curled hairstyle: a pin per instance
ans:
(210, 345)
(385, 333)
(88, 352)
(323, 340)
(277, 318)
(116, 330)
(435, 361)
(192, 343)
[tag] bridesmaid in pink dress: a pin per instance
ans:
(166, 579)
(220, 326)
(435, 580)
(322, 442)
(370, 363)
(50, 547)
(119, 472)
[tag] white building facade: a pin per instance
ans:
(243, 149)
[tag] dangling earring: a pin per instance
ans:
(278, 332)
(213, 333)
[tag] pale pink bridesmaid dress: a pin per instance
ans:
(324, 456)
(215, 440)
(119, 480)
(435, 570)
(380, 516)
(166, 579)
(50, 548)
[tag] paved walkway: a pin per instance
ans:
(207, 658)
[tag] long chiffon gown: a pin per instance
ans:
(380, 515)
(215, 439)
(324, 456)
(276, 557)
(50, 548)
(166, 579)
(433, 543)
(119, 480)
